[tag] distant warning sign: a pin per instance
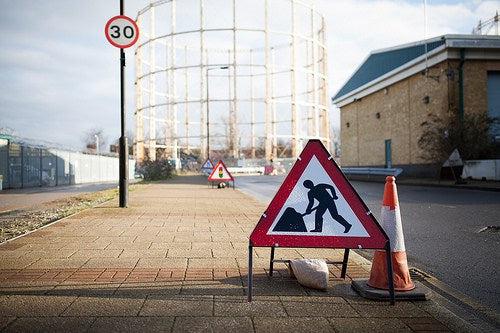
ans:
(208, 165)
(454, 159)
(220, 173)
(316, 206)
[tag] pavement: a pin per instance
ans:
(176, 261)
(15, 199)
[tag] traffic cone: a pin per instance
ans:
(391, 223)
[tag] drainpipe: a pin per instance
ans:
(461, 86)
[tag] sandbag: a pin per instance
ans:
(311, 273)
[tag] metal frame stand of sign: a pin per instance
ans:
(390, 274)
(343, 262)
(262, 236)
(250, 272)
(212, 183)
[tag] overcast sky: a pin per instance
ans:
(59, 76)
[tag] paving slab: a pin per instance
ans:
(213, 324)
(104, 306)
(34, 305)
(286, 325)
(239, 307)
(144, 289)
(315, 308)
(111, 262)
(50, 324)
(216, 288)
(4, 321)
(372, 325)
(190, 306)
(132, 324)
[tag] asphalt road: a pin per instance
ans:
(441, 231)
(29, 197)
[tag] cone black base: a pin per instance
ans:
(420, 293)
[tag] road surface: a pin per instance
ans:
(441, 231)
(23, 198)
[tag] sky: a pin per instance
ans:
(60, 77)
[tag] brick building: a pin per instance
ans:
(385, 101)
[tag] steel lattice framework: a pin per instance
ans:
(488, 27)
(259, 66)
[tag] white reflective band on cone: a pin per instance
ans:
(391, 222)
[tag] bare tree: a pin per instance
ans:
(130, 138)
(115, 145)
(471, 136)
(89, 139)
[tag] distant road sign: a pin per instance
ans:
(454, 159)
(208, 165)
(220, 173)
(121, 31)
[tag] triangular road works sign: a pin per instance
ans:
(208, 165)
(454, 159)
(316, 206)
(220, 173)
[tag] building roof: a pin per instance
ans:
(380, 63)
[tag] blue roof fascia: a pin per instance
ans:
(380, 63)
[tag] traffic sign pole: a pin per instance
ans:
(122, 32)
(123, 140)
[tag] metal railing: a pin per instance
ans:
(373, 171)
(25, 166)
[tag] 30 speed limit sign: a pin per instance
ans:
(121, 31)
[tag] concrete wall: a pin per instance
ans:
(402, 110)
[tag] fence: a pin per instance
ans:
(24, 166)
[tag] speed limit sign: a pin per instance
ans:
(121, 31)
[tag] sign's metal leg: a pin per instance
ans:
(390, 273)
(271, 262)
(250, 274)
(344, 263)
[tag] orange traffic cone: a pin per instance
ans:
(391, 223)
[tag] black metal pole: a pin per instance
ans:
(123, 140)
(208, 119)
(390, 273)
(250, 273)
(271, 262)
(344, 264)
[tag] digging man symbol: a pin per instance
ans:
(325, 202)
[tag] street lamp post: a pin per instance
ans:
(208, 107)
(96, 143)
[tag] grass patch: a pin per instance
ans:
(18, 222)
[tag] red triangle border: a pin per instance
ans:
(220, 179)
(377, 237)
